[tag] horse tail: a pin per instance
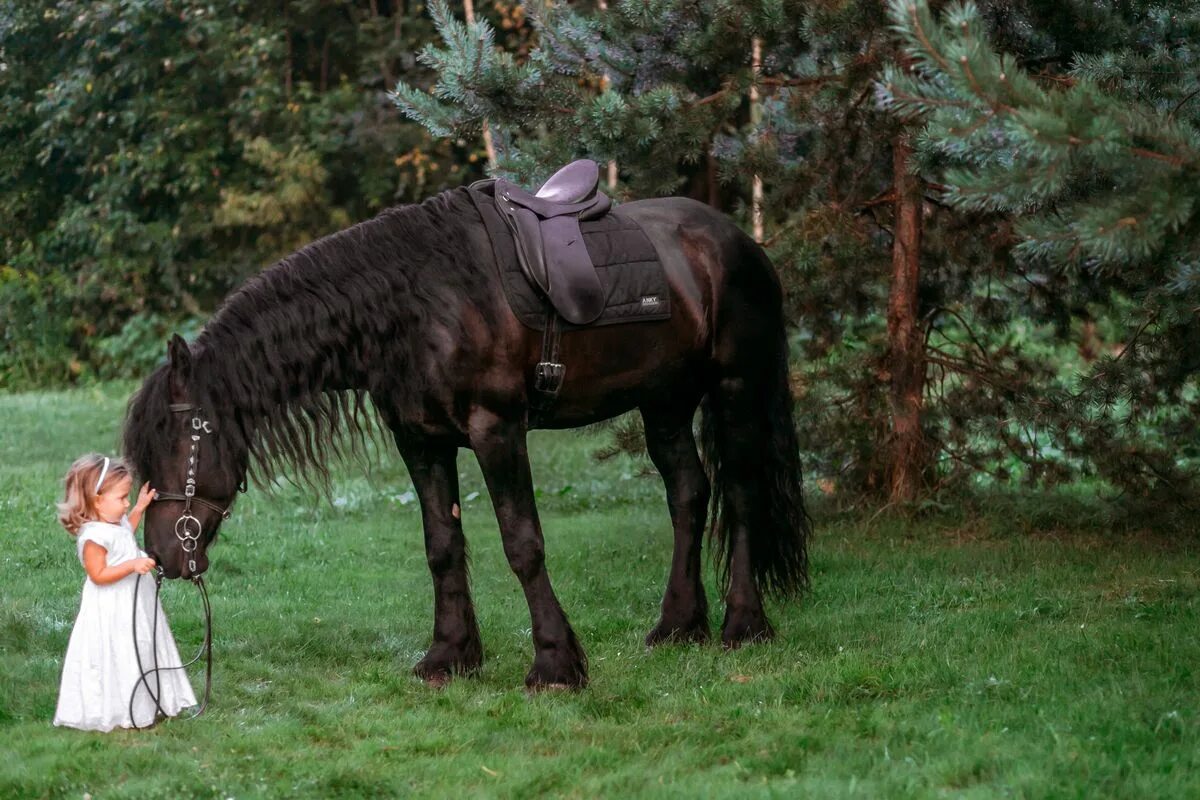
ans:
(748, 439)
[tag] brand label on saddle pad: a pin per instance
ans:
(634, 283)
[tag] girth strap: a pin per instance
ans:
(549, 374)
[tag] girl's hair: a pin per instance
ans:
(79, 503)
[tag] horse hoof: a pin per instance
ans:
(665, 633)
(745, 629)
(538, 688)
(537, 683)
(550, 673)
(442, 663)
(437, 681)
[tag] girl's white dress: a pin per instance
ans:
(100, 669)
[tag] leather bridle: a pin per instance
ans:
(187, 528)
(188, 531)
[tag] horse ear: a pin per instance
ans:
(179, 359)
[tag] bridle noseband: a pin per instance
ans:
(187, 528)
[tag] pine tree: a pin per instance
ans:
(1098, 168)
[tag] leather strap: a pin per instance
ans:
(549, 374)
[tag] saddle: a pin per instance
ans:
(548, 240)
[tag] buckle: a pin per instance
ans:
(189, 490)
(548, 376)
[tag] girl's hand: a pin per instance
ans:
(146, 496)
(142, 565)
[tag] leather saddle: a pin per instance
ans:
(548, 241)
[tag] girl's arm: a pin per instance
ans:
(95, 563)
(145, 496)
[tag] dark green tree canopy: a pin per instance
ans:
(1098, 168)
(153, 154)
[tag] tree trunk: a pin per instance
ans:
(906, 343)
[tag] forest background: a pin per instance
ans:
(984, 215)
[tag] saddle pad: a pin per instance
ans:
(635, 285)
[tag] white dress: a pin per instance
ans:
(100, 669)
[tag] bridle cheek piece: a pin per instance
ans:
(188, 528)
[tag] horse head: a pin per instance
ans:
(188, 457)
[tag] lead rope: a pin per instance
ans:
(205, 650)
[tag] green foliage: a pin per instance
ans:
(1117, 172)
(154, 154)
(665, 64)
(1099, 169)
(34, 334)
(138, 347)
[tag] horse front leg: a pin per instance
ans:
(499, 444)
(456, 647)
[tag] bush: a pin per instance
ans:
(138, 347)
(35, 330)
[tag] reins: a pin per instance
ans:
(205, 650)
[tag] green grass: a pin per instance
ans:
(951, 657)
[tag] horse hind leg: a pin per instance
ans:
(760, 524)
(456, 648)
(739, 501)
(672, 447)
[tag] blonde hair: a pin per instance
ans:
(79, 502)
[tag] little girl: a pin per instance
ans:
(100, 670)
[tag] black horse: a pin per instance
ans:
(407, 310)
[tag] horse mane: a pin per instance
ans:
(288, 361)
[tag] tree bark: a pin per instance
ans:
(906, 342)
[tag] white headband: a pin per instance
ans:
(100, 480)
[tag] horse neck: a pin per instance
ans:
(283, 375)
(344, 313)
(273, 363)
(288, 336)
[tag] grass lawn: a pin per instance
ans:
(968, 658)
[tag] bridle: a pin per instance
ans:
(187, 528)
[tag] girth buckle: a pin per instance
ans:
(548, 377)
